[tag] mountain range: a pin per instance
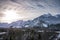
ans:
(44, 19)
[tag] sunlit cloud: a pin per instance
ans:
(27, 9)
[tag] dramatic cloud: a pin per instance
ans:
(30, 9)
(52, 6)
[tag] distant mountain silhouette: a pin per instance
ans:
(4, 25)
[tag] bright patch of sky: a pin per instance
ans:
(29, 9)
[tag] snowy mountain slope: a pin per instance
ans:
(43, 19)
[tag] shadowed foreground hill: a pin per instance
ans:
(28, 34)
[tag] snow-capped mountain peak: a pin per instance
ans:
(45, 19)
(47, 15)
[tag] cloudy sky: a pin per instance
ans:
(13, 10)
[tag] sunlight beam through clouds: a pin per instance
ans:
(10, 16)
(27, 9)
